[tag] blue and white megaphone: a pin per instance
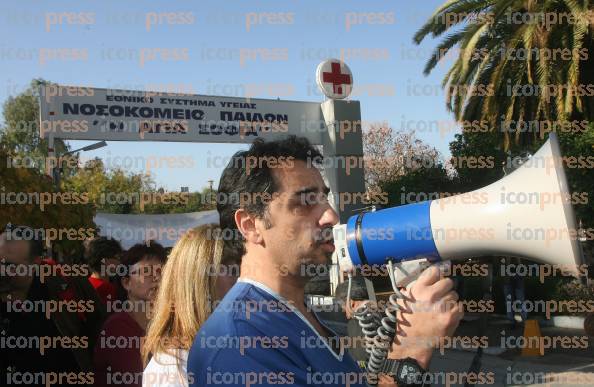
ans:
(526, 214)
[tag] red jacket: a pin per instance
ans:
(117, 357)
(104, 289)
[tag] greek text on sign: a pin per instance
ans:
(126, 115)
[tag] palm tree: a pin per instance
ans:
(520, 60)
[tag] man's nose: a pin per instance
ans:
(329, 217)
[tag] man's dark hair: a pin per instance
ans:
(33, 237)
(358, 290)
(242, 177)
(141, 251)
(102, 248)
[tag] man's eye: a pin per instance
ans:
(311, 199)
(305, 199)
(322, 198)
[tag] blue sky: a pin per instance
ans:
(98, 44)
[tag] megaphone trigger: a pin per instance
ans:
(406, 273)
(445, 268)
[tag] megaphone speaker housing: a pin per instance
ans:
(527, 213)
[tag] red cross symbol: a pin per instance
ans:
(336, 78)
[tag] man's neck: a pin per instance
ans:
(288, 286)
(278, 280)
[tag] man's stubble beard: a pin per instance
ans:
(315, 266)
(309, 260)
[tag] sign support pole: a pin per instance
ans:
(343, 162)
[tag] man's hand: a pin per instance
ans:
(429, 312)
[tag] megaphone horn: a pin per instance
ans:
(526, 214)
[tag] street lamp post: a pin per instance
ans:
(210, 182)
(57, 170)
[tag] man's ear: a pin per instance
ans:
(246, 224)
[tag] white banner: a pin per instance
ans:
(122, 115)
(163, 228)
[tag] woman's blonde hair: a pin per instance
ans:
(186, 293)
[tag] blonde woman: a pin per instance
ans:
(195, 276)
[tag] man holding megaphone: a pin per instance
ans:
(262, 332)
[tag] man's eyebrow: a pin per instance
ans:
(307, 190)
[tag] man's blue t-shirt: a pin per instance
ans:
(255, 337)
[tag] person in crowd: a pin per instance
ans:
(196, 276)
(103, 256)
(54, 310)
(263, 330)
(117, 356)
(350, 303)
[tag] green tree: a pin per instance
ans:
(426, 183)
(111, 191)
(178, 203)
(580, 178)
(477, 146)
(25, 194)
(548, 55)
(119, 192)
(19, 134)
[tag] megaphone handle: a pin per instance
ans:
(403, 273)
